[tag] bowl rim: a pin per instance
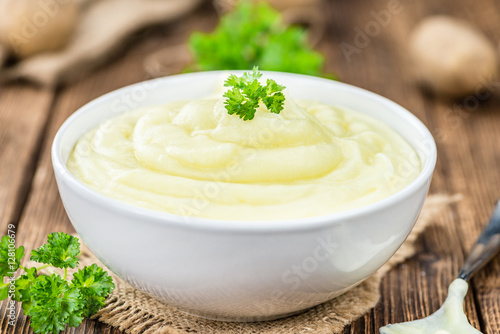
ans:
(298, 224)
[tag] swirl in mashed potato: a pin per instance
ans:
(194, 159)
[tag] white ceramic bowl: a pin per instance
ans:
(241, 270)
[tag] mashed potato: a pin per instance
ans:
(194, 159)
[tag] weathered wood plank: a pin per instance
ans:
(24, 112)
(363, 325)
(474, 156)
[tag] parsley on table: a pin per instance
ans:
(246, 93)
(254, 34)
(52, 301)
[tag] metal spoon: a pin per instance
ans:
(450, 318)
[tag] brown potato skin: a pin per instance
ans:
(451, 57)
(32, 27)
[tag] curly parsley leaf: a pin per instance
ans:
(51, 301)
(95, 285)
(61, 251)
(10, 256)
(23, 286)
(4, 290)
(54, 304)
(274, 98)
(254, 34)
(246, 92)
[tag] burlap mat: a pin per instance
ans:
(102, 29)
(135, 312)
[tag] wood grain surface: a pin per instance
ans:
(467, 135)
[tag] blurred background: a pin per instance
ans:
(446, 50)
(438, 59)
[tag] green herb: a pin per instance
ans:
(246, 93)
(52, 301)
(254, 34)
(7, 268)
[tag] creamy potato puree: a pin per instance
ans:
(194, 159)
(449, 319)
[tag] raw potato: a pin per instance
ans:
(452, 57)
(28, 27)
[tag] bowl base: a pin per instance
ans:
(240, 318)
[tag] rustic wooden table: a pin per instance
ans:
(467, 134)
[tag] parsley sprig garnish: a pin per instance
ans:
(246, 93)
(52, 301)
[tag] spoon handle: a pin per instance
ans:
(485, 247)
